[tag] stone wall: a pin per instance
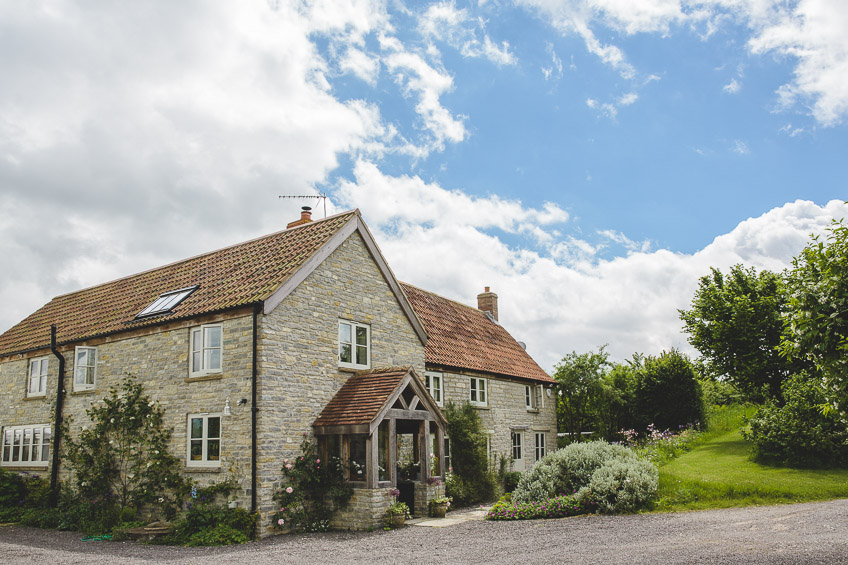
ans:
(366, 510)
(158, 358)
(298, 355)
(423, 494)
(506, 411)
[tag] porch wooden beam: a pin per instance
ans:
(440, 443)
(414, 402)
(409, 414)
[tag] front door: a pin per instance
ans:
(517, 450)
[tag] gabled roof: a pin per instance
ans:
(263, 270)
(463, 337)
(366, 396)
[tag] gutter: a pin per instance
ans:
(257, 308)
(57, 427)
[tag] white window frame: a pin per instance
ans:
(203, 348)
(43, 370)
(447, 455)
(352, 364)
(436, 391)
(530, 397)
(43, 447)
(541, 446)
(90, 366)
(519, 445)
(204, 440)
(478, 392)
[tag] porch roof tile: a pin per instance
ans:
(361, 397)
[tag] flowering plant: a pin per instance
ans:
(309, 484)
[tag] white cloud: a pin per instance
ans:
(360, 64)
(555, 70)
(732, 87)
(555, 293)
(812, 34)
(455, 26)
(740, 147)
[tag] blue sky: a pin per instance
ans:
(587, 159)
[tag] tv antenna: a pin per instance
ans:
(309, 197)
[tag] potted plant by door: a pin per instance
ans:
(439, 506)
(397, 513)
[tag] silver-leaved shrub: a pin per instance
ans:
(610, 475)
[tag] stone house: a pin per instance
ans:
(248, 348)
(470, 357)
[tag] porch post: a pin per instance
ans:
(371, 474)
(425, 450)
(440, 444)
(393, 451)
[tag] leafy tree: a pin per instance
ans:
(667, 393)
(580, 378)
(472, 480)
(735, 322)
(615, 412)
(123, 455)
(795, 432)
(817, 313)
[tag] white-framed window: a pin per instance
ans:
(433, 382)
(37, 382)
(85, 360)
(448, 464)
(517, 445)
(26, 446)
(354, 345)
(540, 445)
(206, 350)
(529, 397)
(478, 392)
(204, 440)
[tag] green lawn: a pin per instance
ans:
(719, 473)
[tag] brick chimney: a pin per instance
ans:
(305, 217)
(488, 302)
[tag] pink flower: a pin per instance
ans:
(449, 504)
(280, 522)
(317, 460)
(288, 465)
(289, 490)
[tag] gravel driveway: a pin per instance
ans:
(799, 533)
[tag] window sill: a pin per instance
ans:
(214, 377)
(533, 410)
(193, 469)
(480, 406)
(24, 467)
(35, 397)
(83, 391)
(353, 369)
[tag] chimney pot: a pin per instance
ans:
(488, 302)
(305, 217)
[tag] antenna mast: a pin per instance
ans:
(309, 197)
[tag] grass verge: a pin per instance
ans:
(718, 473)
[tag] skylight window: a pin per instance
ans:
(166, 302)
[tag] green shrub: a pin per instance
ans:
(511, 480)
(556, 507)
(667, 393)
(797, 433)
(472, 479)
(202, 518)
(221, 534)
(621, 486)
(48, 518)
(613, 473)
